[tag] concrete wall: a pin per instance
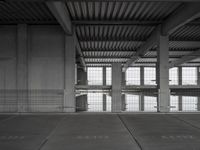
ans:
(45, 49)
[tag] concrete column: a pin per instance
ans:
(22, 68)
(198, 83)
(116, 87)
(104, 83)
(123, 95)
(180, 83)
(81, 101)
(163, 74)
(142, 83)
(69, 92)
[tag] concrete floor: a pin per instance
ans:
(100, 132)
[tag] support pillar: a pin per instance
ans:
(104, 83)
(123, 95)
(141, 83)
(180, 83)
(81, 101)
(163, 74)
(22, 68)
(116, 87)
(198, 83)
(69, 89)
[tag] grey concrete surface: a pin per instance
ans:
(89, 132)
(100, 132)
(162, 132)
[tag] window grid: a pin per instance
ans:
(132, 102)
(173, 76)
(133, 76)
(95, 76)
(108, 75)
(174, 103)
(150, 103)
(189, 103)
(149, 76)
(189, 75)
(95, 102)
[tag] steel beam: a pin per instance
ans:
(80, 54)
(185, 14)
(59, 10)
(185, 59)
(173, 1)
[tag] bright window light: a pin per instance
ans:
(189, 75)
(150, 103)
(95, 75)
(132, 102)
(133, 76)
(189, 103)
(149, 76)
(173, 76)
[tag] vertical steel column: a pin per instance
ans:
(142, 83)
(123, 95)
(69, 92)
(198, 83)
(22, 68)
(116, 87)
(104, 83)
(180, 83)
(163, 73)
(81, 101)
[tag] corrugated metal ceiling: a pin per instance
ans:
(109, 42)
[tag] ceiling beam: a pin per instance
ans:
(105, 0)
(80, 54)
(122, 22)
(182, 16)
(184, 44)
(185, 14)
(59, 10)
(115, 22)
(151, 41)
(185, 59)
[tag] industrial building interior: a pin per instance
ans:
(99, 74)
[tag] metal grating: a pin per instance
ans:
(115, 10)
(187, 32)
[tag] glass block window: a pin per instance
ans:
(108, 103)
(133, 76)
(150, 76)
(95, 75)
(189, 75)
(174, 103)
(173, 76)
(95, 102)
(189, 103)
(132, 102)
(108, 76)
(150, 103)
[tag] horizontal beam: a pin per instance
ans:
(184, 59)
(105, 0)
(59, 10)
(151, 41)
(184, 15)
(184, 44)
(122, 57)
(115, 22)
(80, 54)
